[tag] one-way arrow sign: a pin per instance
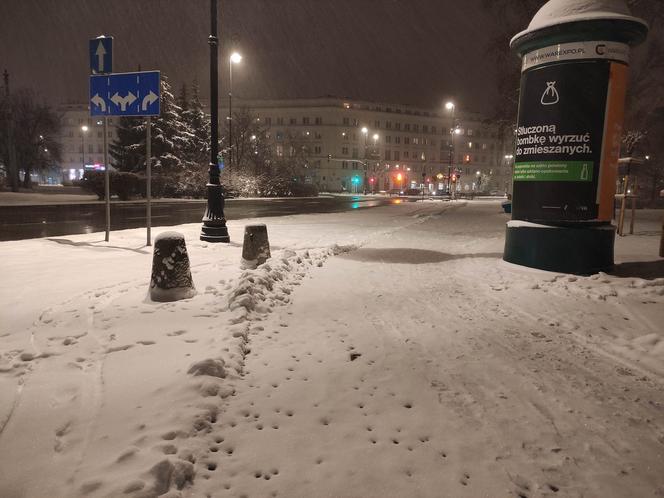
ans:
(101, 55)
(125, 94)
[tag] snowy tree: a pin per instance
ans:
(30, 135)
(168, 140)
(127, 150)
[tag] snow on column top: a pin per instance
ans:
(556, 12)
(169, 236)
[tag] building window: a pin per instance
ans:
(397, 140)
(356, 122)
(319, 121)
(407, 127)
(293, 121)
(416, 141)
(280, 136)
(305, 121)
(396, 155)
(268, 121)
(355, 153)
(376, 124)
(346, 121)
(416, 127)
(317, 135)
(470, 132)
(405, 154)
(388, 139)
(280, 150)
(280, 121)
(397, 126)
(388, 125)
(388, 155)
(344, 165)
(406, 140)
(344, 150)
(433, 130)
(317, 149)
(466, 158)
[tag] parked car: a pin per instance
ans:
(412, 191)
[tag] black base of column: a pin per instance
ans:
(579, 250)
(214, 222)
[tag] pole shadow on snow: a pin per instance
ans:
(648, 270)
(412, 256)
(68, 242)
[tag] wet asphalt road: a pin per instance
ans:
(27, 222)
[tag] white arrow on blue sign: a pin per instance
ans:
(125, 94)
(101, 55)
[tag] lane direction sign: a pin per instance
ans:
(125, 94)
(101, 55)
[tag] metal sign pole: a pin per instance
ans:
(148, 171)
(107, 182)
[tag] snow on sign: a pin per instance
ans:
(101, 55)
(125, 94)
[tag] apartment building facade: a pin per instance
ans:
(82, 139)
(358, 145)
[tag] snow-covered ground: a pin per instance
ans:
(386, 352)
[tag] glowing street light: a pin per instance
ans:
(235, 58)
(84, 130)
(454, 130)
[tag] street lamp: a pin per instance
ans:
(451, 107)
(235, 58)
(84, 130)
(214, 222)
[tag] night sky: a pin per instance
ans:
(407, 51)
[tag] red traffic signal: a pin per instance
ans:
(372, 179)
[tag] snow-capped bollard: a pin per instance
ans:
(256, 247)
(171, 275)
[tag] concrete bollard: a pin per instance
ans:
(256, 247)
(171, 275)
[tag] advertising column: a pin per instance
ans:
(568, 135)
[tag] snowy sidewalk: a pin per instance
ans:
(387, 352)
(421, 365)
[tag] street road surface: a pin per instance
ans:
(28, 222)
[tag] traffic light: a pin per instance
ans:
(454, 178)
(355, 180)
(399, 177)
(372, 180)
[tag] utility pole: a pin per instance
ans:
(13, 170)
(214, 222)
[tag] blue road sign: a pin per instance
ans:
(101, 55)
(125, 94)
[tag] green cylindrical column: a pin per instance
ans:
(573, 84)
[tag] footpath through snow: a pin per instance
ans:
(387, 352)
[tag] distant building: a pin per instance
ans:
(82, 150)
(403, 147)
(353, 144)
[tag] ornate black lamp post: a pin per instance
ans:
(214, 222)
